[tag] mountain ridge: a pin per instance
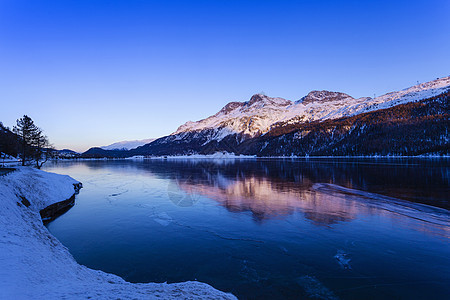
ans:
(413, 128)
(256, 116)
(239, 126)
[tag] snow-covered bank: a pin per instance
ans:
(232, 156)
(217, 155)
(35, 265)
(8, 160)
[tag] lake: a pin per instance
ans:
(266, 228)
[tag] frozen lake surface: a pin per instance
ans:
(316, 228)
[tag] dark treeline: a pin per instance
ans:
(9, 142)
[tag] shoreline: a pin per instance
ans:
(35, 265)
(245, 157)
(57, 209)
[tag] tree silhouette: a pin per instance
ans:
(42, 150)
(34, 144)
(27, 131)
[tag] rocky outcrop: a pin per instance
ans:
(55, 210)
(324, 96)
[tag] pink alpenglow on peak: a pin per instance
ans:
(256, 116)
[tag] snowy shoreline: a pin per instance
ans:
(232, 156)
(35, 265)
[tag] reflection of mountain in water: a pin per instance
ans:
(278, 188)
(267, 199)
(271, 189)
(418, 180)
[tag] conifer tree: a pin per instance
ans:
(27, 131)
(34, 144)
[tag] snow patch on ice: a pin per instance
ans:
(343, 259)
(315, 289)
(162, 218)
(426, 213)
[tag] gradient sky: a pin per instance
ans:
(91, 73)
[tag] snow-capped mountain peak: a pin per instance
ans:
(261, 100)
(230, 107)
(252, 117)
(261, 113)
(127, 145)
(324, 96)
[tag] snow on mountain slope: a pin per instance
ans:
(414, 93)
(127, 145)
(258, 115)
(252, 117)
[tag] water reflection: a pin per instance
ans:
(423, 181)
(277, 188)
(322, 203)
(266, 228)
(266, 199)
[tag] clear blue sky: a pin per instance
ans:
(94, 72)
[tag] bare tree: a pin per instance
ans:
(42, 149)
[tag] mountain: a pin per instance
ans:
(97, 152)
(127, 145)
(256, 116)
(413, 128)
(240, 127)
(67, 151)
(253, 117)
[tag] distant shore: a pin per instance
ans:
(232, 156)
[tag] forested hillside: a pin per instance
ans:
(8, 141)
(413, 128)
(409, 129)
